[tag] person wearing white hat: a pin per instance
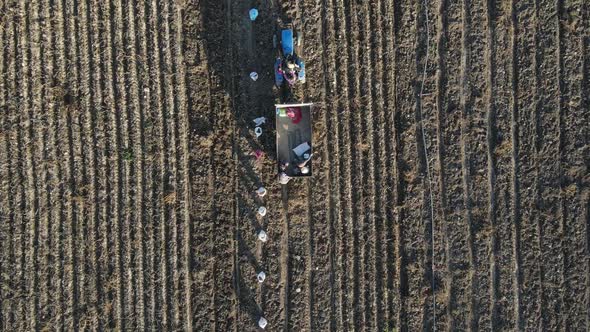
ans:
(284, 178)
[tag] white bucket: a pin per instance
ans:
(262, 236)
(262, 322)
(261, 276)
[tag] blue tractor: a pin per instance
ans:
(289, 67)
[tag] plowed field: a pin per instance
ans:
(451, 188)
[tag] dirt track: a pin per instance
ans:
(127, 180)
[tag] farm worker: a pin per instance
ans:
(261, 192)
(305, 161)
(258, 154)
(284, 178)
(284, 166)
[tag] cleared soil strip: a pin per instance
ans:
(245, 109)
(184, 228)
(476, 160)
(201, 140)
(391, 177)
(574, 103)
(377, 157)
(527, 236)
(427, 150)
(366, 150)
(500, 149)
(455, 227)
(318, 288)
(321, 284)
(340, 83)
(548, 149)
(408, 218)
(338, 247)
(298, 207)
(349, 141)
(171, 195)
(514, 189)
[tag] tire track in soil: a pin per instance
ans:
(526, 169)
(454, 226)
(514, 189)
(391, 177)
(90, 238)
(475, 159)
(405, 106)
(501, 151)
(547, 147)
(572, 58)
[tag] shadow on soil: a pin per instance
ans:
(235, 47)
